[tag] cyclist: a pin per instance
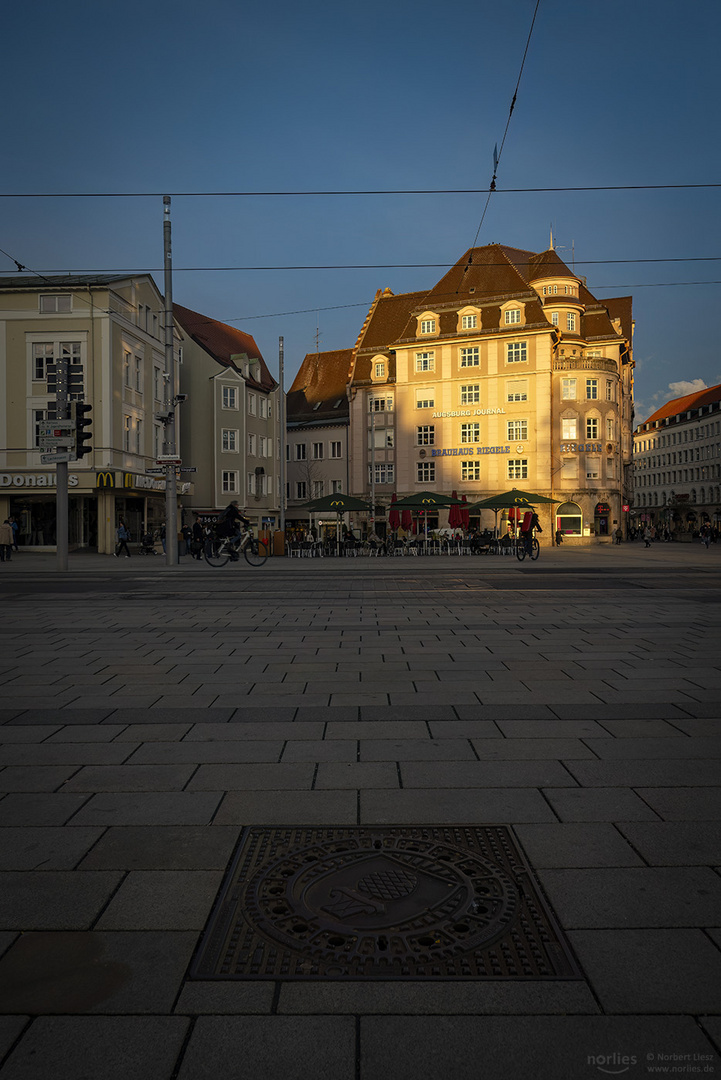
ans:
(530, 525)
(230, 521)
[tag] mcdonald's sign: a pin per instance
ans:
(128, 480)
(105, 479)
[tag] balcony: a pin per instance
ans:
(585, 363)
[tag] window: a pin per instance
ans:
(428, 326)
(251, 444)
(517, 390)
(301, 489)
(263, 445)
(517, 430)
(610, 390)
(569, 519)
(317, 489)
(568, 389)
(569, 428)
(230, 397)
(262, 408)
(591, 427)
(300, 451)
(425, 361)
(157, 440)
(513, 316)
(425, 472)
(471, 357)
(609, 468)
(470, 470)
(138, 436)
(426, 399)
(138, 373)
(336, 450)
(317, 451)
(469, 322)
(571, 321)
(380, 404)
(337, 487)
(426, 435)
(517, 468)
(43, 355)
(471, 394)
(380, 370)
(592, 389)
(51, 304)
(127, 428)
(470, 433)
(516, 352)
(554, 318)
(593, 468)
(610, 427)
(385, 474)
(126, 368)
(569, 469)
(251, 404)
(158, 383)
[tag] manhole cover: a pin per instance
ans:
(399, 902)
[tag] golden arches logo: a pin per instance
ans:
(105, 479)
(337, 502)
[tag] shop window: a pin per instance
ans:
(569, 519)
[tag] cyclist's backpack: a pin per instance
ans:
(527, 521)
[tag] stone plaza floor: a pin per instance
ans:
(148, 714)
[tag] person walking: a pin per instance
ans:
(123, 536)
(196, 544)
(559, 537)
(647, 536)
(618, 534)
(14, 525)
(6, 540)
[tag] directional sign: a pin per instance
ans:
(156, 472)
(51, 428)
(55, 440)
(189, 468)
(51, 459)
(168, 460)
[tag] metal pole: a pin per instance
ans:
(62, 412)
(373, 469)
(169, 446)
(283, 433)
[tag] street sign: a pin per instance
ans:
(52, 459)
(168, 460)
(52, 428)
(55, 440)
(156, 472)
(626, 507)
(189, 468)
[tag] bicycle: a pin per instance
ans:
(222, 549)
(529, 547)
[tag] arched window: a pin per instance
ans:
(569, 519)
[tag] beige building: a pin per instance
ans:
(110, 329)
(507, 373)
(231, 421)
(317, 461)
(677, 465)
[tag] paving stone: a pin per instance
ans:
(638, 773)
(284, 807)
(484, 774)
(651, 971)
(477, 998)
(271, 1047)
(646, 749)
(54, 900)
(321, 750)
(252, 777)
(464, 805)
(10, 1028)
(65, 753)
(114, 1047)
(149, 808)
(251, 729)
(39, 808)
(162, 900)
(92, 972)
(464, 729)
(30, 778)
(639, 729)
(576, 845)
(197, 752)
(171, 716)
(31, 734)
(510, 749)
(680, 843)
(336, 775)
(683, 804)
(416, 750)
(28, 848)
(508, 1048)
(225, 998)
(634, 896)
(599, 804)
(150, 732)
(378, 729)
(162, 848)
(72, 715)
(551, 729)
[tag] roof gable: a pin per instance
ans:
(223, 342)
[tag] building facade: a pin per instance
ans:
(507, 373)
(317, 461)
(231, 421)
(110, 330)
(677, 464)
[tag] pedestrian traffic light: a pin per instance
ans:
(83, 422)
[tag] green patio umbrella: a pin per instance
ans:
(336, 503)
(503, 501)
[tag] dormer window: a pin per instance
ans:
(513, 315)
(380, 370)
(469, 322)
(428, 326)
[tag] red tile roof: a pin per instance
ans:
(318, 392)
(689, 402)
(223, 342)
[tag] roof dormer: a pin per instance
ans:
(428, 324)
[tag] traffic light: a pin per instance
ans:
(83, 422)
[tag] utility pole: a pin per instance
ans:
(283, 435)
(170, 403)
(62, 412)
(373, 469)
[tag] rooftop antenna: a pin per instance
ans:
(551, 248)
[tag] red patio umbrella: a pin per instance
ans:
(394, 518)
(407, 519)
(465, 513)
(455, 518)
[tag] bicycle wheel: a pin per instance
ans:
(216, 552)
(520, 550)
(255, 552)
(536, 549)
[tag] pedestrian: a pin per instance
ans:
(123, 534)
(14, 525)
(187, 535)
(6, 540)
(162, 536)
(706, 534)
(559, 537)
(196, 543)
(647, 536)
(618, 534)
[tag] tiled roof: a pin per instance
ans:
(223, 342)
(318, 393)
(687, 403)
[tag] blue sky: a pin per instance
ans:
(228, 96)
